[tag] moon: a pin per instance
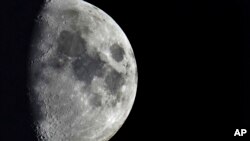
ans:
(82, 73)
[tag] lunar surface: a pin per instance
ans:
(83, 73)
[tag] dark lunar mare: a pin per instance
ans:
(86, 67)
(114, 80)
(96, 100)
(71, 44)
(58, 62)
(117, 52)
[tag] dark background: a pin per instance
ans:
(193, 67)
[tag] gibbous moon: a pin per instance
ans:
(83, 73)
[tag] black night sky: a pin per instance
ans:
(193, 66)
